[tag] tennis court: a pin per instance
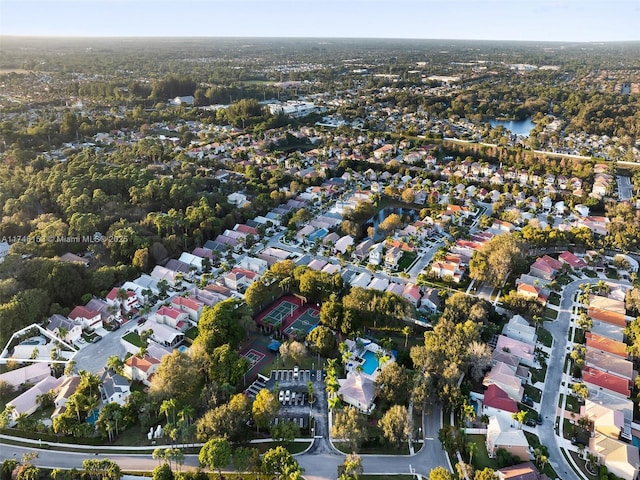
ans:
(306, 322)
(253, 356)
(279, 313)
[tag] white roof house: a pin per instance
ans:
(30, 374)
(362, 280)
(344, 243)
(358, 391)
(27, 403)
(519, 329)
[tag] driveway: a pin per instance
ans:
(93, 356)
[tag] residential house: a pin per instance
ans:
(189, 305)
(238, 279)
(317, 264)
(376, 254)
(451, 267)
(545, 267)
(395, 288)
(358, 391)
(504, 377)
(608, 363)
(238, 199)
(114, 387)
(362, 249)
(140, 369)
(160, 273)
(392, 257)
(412, 294)
(164, 334)
(605, 419)
(343, 244)
(67, 388)
(379, 284)
(601, 380)
(620, 458)
(362, 280)
(523, 351)
(430, 299)
(27, 402)
(128, 303)
(607, 310)
(496, 401)
(519, 329)
(570, 259)
(173, 317)
(88, 319)
(521, 471)
(502, 433)
(604, 344)
(535, 292)
(30, 374)
(64, 328)
(253, 264)
(194, 262)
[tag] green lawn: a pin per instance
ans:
(550, 313)
(554, 299)
(533, 392)
(589, 273)
(534, 442)
(481, 458)
(134, 339)
(573, 404)
(384, 449)
(538, 375)
(407, 259)
(191, 333)
(544, 337)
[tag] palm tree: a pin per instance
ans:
(473, 448)
(115, 363)
(169, 407)
(333, 402)
(186, 414)
(407, 330)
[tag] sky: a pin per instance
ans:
(530, 20)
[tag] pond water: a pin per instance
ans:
(518, 127)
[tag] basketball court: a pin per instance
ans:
(254, 357)
(307, 321)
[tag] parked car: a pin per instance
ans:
(295, 372)
(530, 422)
(287, 396)
(281, 396)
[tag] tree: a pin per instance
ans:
(162, 472)
(265, 408)
(294, 350)
(242, 458)
(215, 454)
(581, 390)
(178, 377)
(279, 462)
(225, 420)
(351, 468)
(227, 366)
(500, 255)
(115, 363)
(486, 474)
(479, 359)
(393, 384)
(440, 473)
(168, 407)
(322, 340)
(406, 331)
(395, 424)
(285, 432)
(520, 416)
(351, 426)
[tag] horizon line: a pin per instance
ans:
(280, 37)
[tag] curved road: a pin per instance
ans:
(559, 329)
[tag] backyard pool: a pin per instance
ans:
(183, 348)
(34, 341)
(371, 363)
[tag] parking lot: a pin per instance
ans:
(291, 387)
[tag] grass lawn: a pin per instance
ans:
(481, 458)
(407, 259)
(578, 336)
(385, 449)
(293, 447)
(589, 273)
(550, 313)
(538, 374)
(581, 465)
(533, 392)
(534, 442)
(612, 273)
(544, 337)
(191, 334)
(134, 339)
(554, 299)
(573, 404)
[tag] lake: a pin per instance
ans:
(519, 127)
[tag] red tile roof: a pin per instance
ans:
(606, 344)
(606, 380)
(497, 398)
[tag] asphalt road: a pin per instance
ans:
(93, 356)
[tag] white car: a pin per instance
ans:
(281, 396)
(295, 372)
(287, 396)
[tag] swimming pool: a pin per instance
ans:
(34, 341)
(371, 363)
(183, 348)
(320, 233)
